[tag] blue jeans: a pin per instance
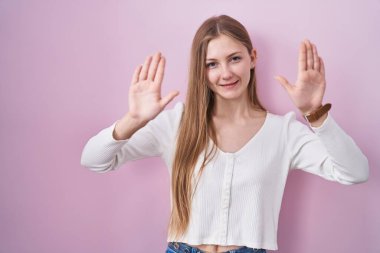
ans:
(180, 247)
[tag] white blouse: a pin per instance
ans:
(238, 198)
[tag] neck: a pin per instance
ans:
(234, 109)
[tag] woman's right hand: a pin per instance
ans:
(145, 101)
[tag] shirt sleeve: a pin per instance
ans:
(326, 151)
(103, 153)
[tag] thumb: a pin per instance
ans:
(166, 100)
(282, 80)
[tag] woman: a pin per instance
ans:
(228, 157)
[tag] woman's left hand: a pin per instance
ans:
(307, 93)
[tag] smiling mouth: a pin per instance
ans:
(229, 84)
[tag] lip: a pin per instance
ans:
(229, 84)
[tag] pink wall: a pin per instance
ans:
(65, 68)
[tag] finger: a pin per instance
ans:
(160, 71)
(144, 71)
(136, 74)
(284, 82)
(153, 66)
(302, 57)
(309, 53)
(166, 100)
(322, 66)
(315, 58)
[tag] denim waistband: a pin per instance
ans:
(180, 247)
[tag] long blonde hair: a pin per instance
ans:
(196, 126)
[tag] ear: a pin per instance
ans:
(253, 56)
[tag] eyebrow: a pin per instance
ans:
(211, 59)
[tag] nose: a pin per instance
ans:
(226, 72)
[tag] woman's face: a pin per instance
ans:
(228, 65)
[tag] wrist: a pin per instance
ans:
(317, 113)
(134, 120)
(306, 111)
(127, 126)
(320, 121)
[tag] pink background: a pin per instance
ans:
(65, 68)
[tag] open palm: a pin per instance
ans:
(307, 93)
(145, 101)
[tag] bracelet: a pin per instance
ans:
(315, 115)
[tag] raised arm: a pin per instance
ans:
(328, 151)
(145, 101)
(143, 131)
(308, 91)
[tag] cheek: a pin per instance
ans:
(244, 71)
(212, 76)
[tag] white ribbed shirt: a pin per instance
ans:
(238, 198)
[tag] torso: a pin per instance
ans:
(231, 137)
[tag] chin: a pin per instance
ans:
(231, 95)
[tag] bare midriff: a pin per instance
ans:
(210, 248)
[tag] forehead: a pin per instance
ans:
(222, 46)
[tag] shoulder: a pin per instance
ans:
(288, 124)
(288, 128)
(173, 113)
(169, 118)
(290, 121)
(179, 107)
(283, 119)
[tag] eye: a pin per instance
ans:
(211, 65)
(236, 58)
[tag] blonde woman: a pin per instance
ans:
(228, 157)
